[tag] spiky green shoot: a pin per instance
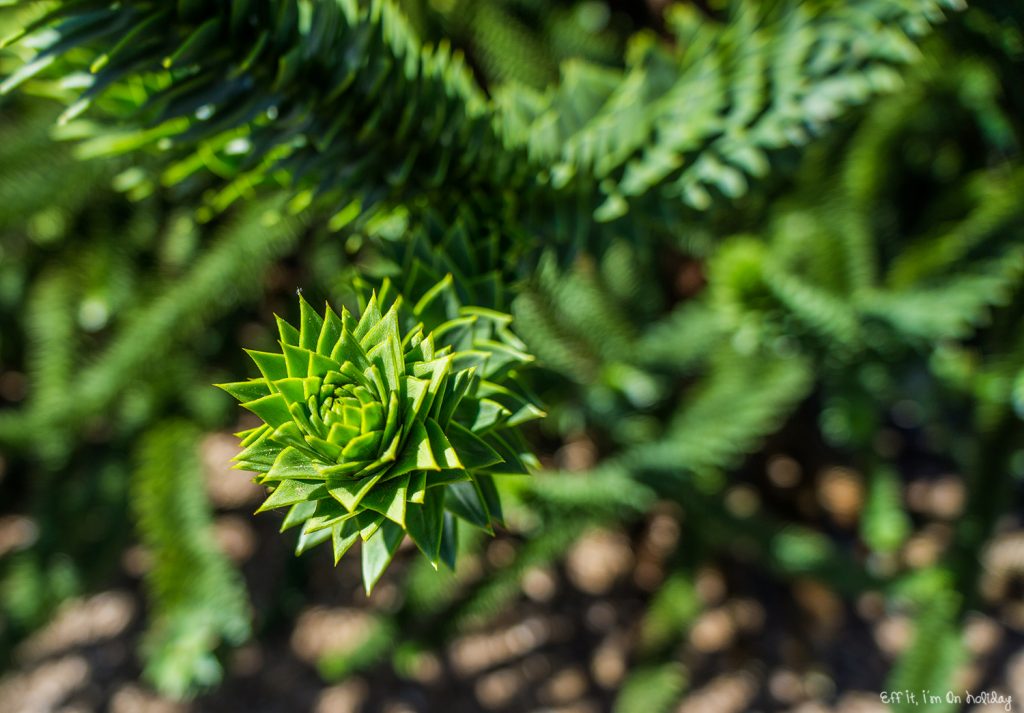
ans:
(375, 428)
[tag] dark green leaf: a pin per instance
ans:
(466, 501)
(450, 541)
(343, 536)
(378, 552)
(425, 523)
(473, 452)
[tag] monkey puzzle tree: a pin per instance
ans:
(551, 179)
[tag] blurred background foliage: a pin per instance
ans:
(783, 457)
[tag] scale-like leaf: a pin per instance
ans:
(378, 551)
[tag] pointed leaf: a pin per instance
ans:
(343, 536)
(347, 349)
(368, 319)
(330, 333)
(290, 492)
(391, 418)
(329, 451)
(289, 434)
(444, 451)
(340, 434)
(338, 471)
(417, 454)
(389, 498)
(511, 463)
(273, 409)
(449, 540)
(298, 514)
(425, 524)
(310, 324)
(446, 477)
(350, 492)
(417, 486)
(289, 334)
(291, 463)
(297, 360)
(432, 294)
(387, 355)
(272, 366)
(320, 365)
(489, 492)
(253, 435)
(486, 414)
(246, 390)
(369, 521)
(380, 330)
(473, 451)
(293, 389)
(456, 389)
(378, 552)
(308, 540)
(364, 447)
(502, 358)
(328, 514)
(258, 456)
(465, 500)
(415, 399)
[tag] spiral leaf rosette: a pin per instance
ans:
(378, 427)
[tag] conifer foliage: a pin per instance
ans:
(674, 235)
(373, 431)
